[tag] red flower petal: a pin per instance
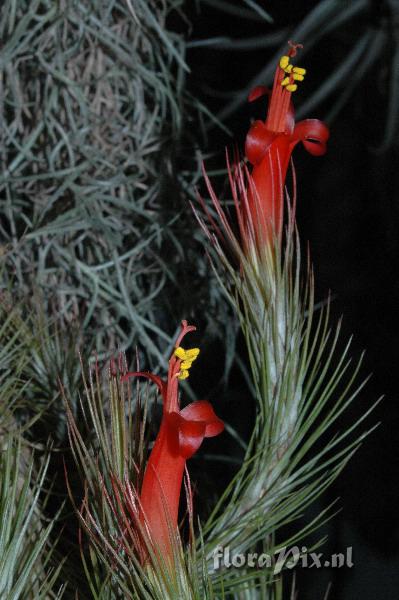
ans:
(202, 411)
(187, 429)
(257, 142)
(191, 435)
(313, 134)
(188, 434)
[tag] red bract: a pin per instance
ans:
(269, 145)
(179, 437)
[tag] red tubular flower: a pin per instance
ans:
(269, 145)
(179, 437)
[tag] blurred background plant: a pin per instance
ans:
(92, 121)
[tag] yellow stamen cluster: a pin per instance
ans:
(294, 74)
(187, 357)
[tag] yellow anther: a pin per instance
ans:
(186, 364)
(284, 62)
(291, 87)
(180, 353)
(298, 77)
(285, 81)
(192, 353)
(299, 70)
(187, 357)
(288, 69)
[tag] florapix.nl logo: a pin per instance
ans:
(288, 558)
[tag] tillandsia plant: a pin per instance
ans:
(91, 121)
(301, 386)
(130, 507)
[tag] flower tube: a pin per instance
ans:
(180, 436)
(269, 145)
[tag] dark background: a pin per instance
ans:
(348, 212)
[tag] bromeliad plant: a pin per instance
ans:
(130, 505)
(300, 384)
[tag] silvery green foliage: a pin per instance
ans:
(302, 382)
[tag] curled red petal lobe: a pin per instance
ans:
(202, 411)
(313, 134)
(187, 429)
(185, 436)
(257, 92)
(258, 141)
(191, 436)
